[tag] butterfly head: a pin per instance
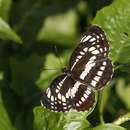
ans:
(66, 71)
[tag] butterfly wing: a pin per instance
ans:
(65, 93)
(89, 61)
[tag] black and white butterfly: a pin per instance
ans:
(89, 70)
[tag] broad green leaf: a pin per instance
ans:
(72, 120)
(5, 122)
(6, 33)
(43, 119)
(115, 20)
(76, 121)
(123, 92)
(5, 6)
(109, 127)
(59, 28)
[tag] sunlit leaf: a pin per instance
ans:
(72, 120)
(115, 21)
(60, 28)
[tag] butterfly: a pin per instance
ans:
(89, 69)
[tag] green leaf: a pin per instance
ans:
(108, 127)
(5, 123)
(5, 6)
(76, 121)
(115, 20)
(60, 28)
(72, 120)
(6, 33)
(43, 119)
(123, 92)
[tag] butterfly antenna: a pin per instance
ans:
(51, 69)
(59, 57)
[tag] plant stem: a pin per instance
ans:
(101, 108)
(101, 118)
(122, 119)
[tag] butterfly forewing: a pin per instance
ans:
(89, 62)
(93, 46)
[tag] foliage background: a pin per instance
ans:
(29, 32)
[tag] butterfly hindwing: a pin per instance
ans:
(64, 93)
